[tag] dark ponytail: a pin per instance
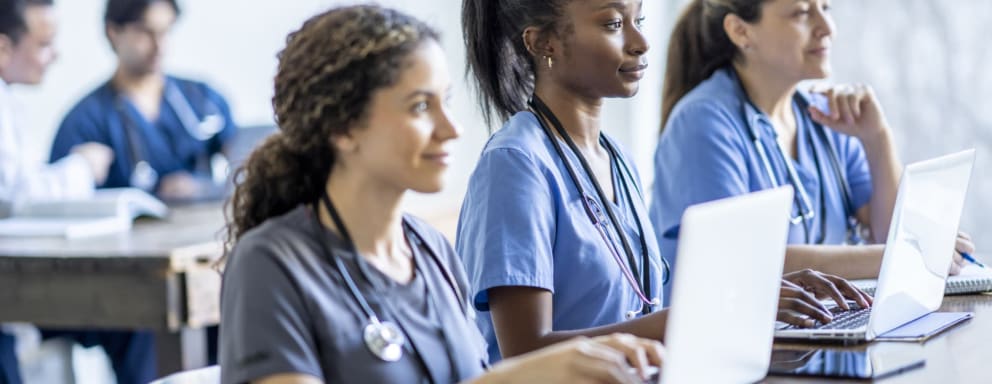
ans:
(497, 56)
(327, 75)
(699, 46)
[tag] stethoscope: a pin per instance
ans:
(383, 338)
(595, 212)
(806, 214)
(143, 175)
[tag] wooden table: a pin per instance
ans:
(962, 354)
(158, 277)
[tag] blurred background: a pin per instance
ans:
(927, 60)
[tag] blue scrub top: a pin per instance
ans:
(523, 223)
(168, 146)
(706, 153)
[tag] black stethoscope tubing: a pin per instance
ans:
(543, 112)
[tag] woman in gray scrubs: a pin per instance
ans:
(326, 279)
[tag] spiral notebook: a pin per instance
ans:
(972, 279)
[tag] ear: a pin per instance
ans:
(344, 143)
(112, 32)
(538, 42)
(739, 31)
(6, 47)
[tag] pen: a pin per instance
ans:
(968, 257)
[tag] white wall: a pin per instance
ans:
(233, 44)
(928, 61)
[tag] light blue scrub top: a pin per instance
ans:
(705, 153)
(523, 223)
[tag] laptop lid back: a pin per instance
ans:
(921, 239)
(725, 294)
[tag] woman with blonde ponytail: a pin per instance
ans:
(736, 121)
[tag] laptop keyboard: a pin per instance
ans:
(849, 319)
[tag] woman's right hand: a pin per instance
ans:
(604, 359)
(98, 157)
(799, 303)
(963, 244)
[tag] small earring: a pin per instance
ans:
(551, 63)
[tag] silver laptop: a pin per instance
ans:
(731, 253)
(917, 256)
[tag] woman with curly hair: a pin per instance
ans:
(326, 280)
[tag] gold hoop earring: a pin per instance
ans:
(551, 63)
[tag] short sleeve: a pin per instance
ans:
(266, 328)
(858, 173)
(700, 158)
(506, 226)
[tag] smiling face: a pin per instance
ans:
(601, 48)
(402, 139)
(792, 38)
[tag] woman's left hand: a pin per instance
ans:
(854, 111)
(824, 286)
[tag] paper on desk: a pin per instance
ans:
(69, 228)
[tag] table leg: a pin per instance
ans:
(183, 350)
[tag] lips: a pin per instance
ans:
(441, 157)
(634, 68)
(819, 51)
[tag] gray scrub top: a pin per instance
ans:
(285, 309)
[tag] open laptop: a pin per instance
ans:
(731, 253)
(917, 257)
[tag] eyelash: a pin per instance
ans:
(420, 107)
(804, 12)
(617, 24)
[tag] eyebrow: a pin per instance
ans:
(427, 93)
(620, 6)
(419, 92)
(614, 4)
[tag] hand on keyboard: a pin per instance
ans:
(798, 304)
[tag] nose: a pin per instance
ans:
(445, 127)
(637, 43)
(824, 26)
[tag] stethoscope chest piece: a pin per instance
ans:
(384, 340)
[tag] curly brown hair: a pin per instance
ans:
(327, 75)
